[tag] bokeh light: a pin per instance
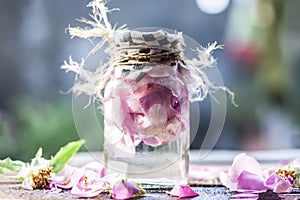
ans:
(212, 6)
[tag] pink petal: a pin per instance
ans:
(53, 190)
(225, 179)
(172, 129)
(112, 178)
(96, 167)
(249, 181)
(152, 141)
(123, 147)
(278, 184)
(67, 171)
(243, 162)
(26, 185)
(158, 115)
(246, 174)
(269, 172)
(86, 181)
(67, 181)
(207, 174)
(124, 190)
(88, 184)
(182, 191)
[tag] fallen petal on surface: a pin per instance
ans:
(244, 162)
(67, 179)
(88, 184)
(183, 191)
(96, 167)
(244, 172)
(250, 181)
(125, 189)
(278, 184)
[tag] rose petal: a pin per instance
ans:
(53, 190)
(152, 141)
(245, 168)
(112, 178)
(225, 179)
(268, 172)
(112, 128)
(96, 167)
(249, 181)
(209, 175)
(182, 191)
(158, 115)
(171, 131)
(244, 162)
(125, 190)
(278, 184)
(26, 185)
(247, 175)
(88, 184)
(144, 112)
(92, 189)
(118, 87)
(123, 147)
(68, 178)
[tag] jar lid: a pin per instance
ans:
(158, 38)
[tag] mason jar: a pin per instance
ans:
(146, 109)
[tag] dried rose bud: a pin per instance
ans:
(40, 179)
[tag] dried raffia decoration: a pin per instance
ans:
(93, 83)
(144, 89)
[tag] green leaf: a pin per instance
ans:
(37, 158)
(11, 165)
(64, 155)
(39, 153)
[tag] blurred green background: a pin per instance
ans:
(260, 63)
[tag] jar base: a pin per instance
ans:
(158, 184)
(162, 169)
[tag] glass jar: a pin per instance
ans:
(146, 109)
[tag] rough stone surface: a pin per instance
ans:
(16, 192)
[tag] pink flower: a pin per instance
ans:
(183, 191)
(125, 189)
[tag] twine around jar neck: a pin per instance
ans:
(144, 55)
